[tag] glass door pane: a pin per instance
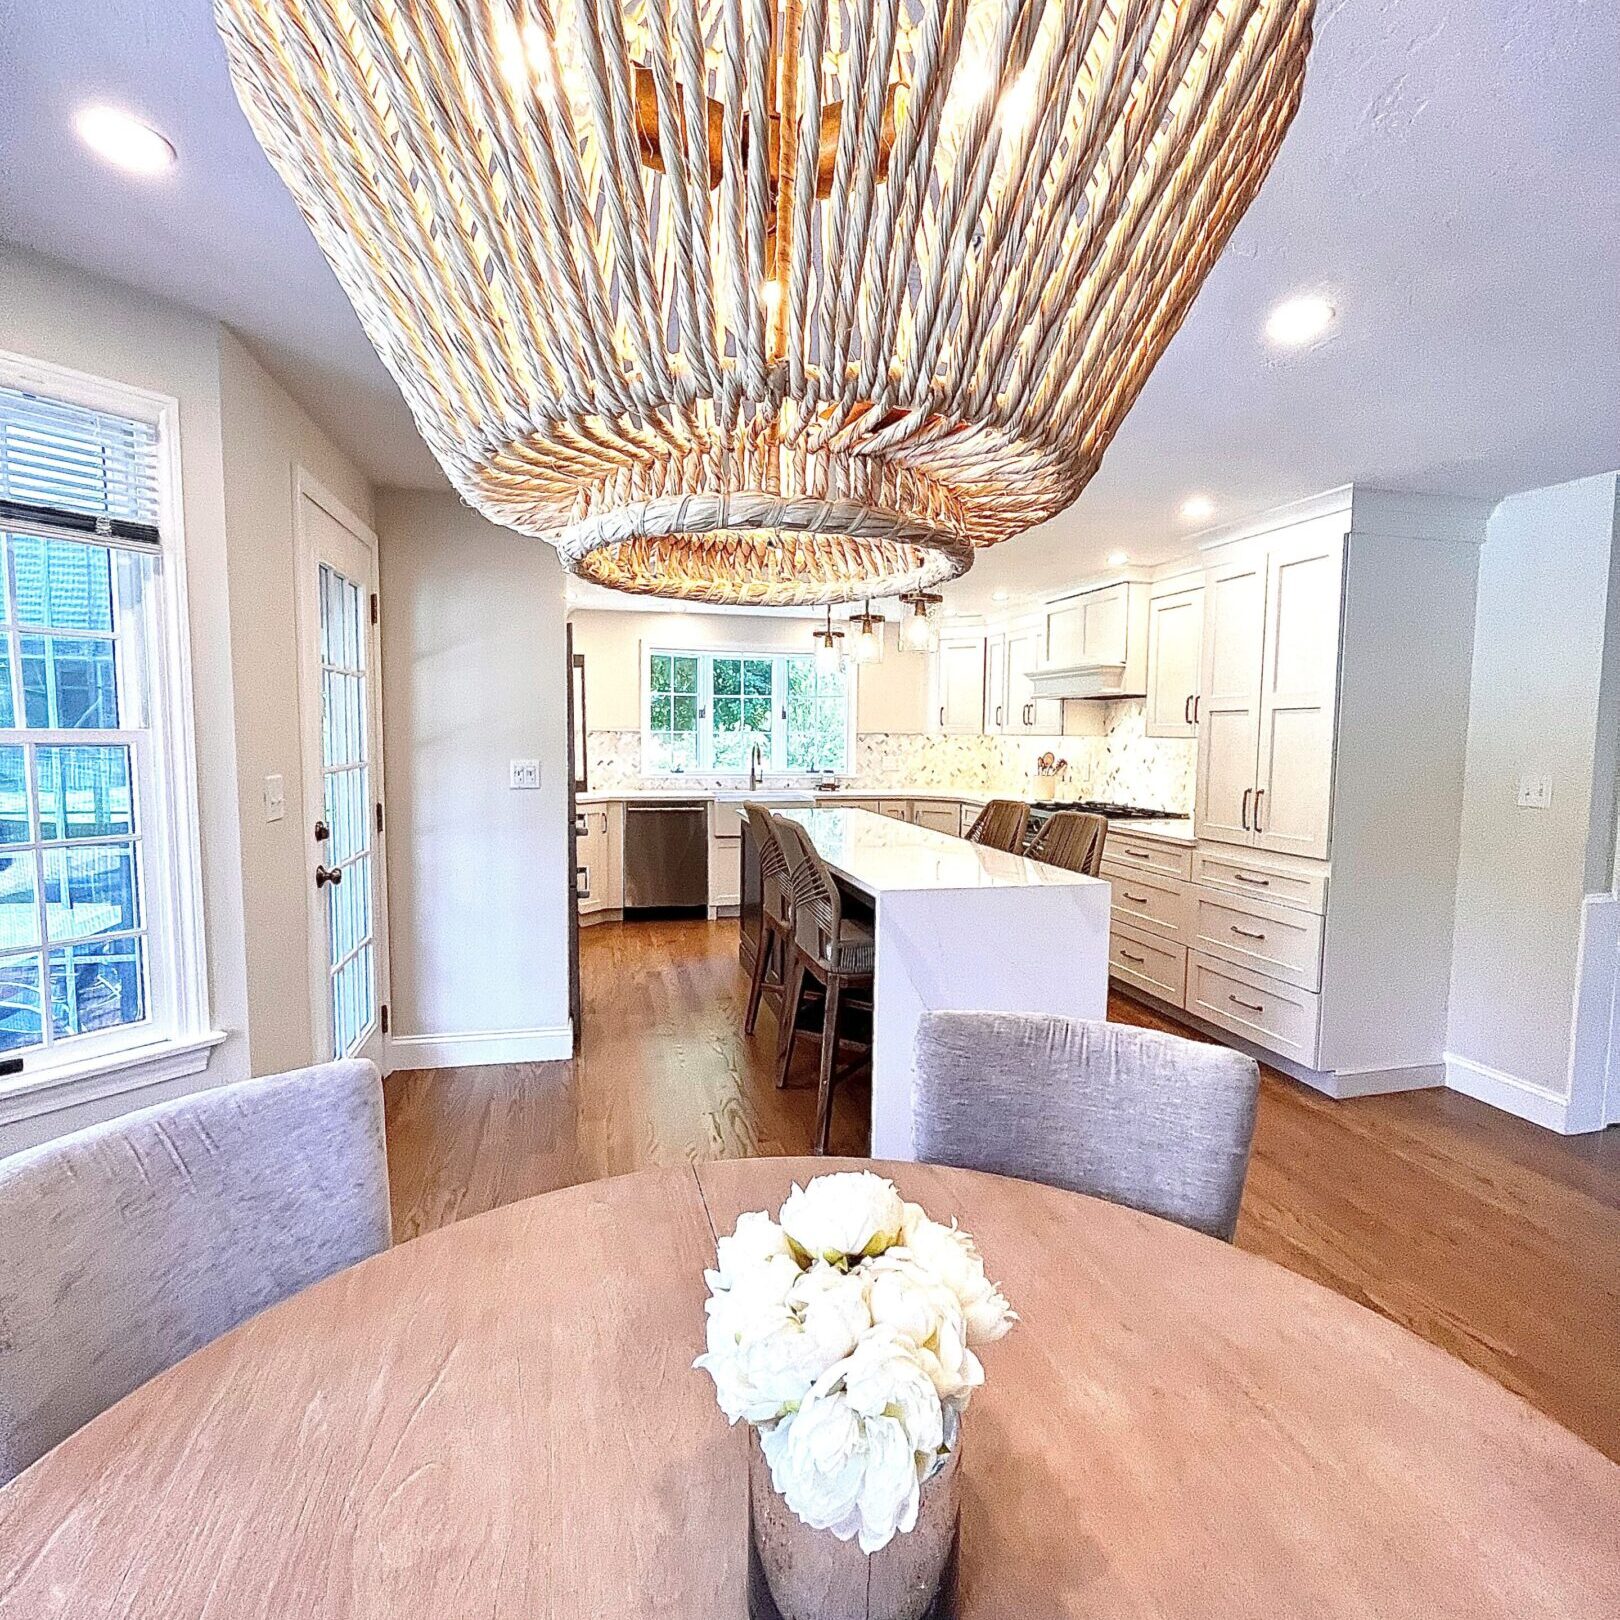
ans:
(345, 779)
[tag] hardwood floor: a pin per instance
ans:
(1494, 1239)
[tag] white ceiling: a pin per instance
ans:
(1452, 183)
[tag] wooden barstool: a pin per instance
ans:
(1072, 839)
(775, 916)
(1001, 825)
(829, 948)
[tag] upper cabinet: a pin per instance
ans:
(1268, 685)
(995, 684)
(960, 685)
(1175, 634)
(1026, 714)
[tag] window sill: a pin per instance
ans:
(109, 1074)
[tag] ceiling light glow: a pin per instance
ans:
(1197, 507)
(1298, 320)
(1116, 559)
(124, 140)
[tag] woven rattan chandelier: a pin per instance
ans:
(820, 365)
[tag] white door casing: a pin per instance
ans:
(340, 712)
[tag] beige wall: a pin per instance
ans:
(890, 696)
(54, 314)
(473, 677)
(267, 438)
(1540, 704)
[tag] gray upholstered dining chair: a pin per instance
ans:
(1131, 1115)
(125, 1247)
(1001, 825)
(1072, 839)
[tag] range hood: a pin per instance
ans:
(1089, 680)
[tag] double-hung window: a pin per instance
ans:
(99, 916)
(708, 711)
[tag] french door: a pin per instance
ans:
(342, 778)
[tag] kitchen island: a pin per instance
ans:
(958, 926)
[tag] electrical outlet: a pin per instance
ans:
(525, 774)
(275, 798)
(1535, 792)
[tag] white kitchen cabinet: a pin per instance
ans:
(995, 684)
(1174, 657)
(1270, 672)
(959, 685)
(1028, 715)
(1293, 785)
(1229, 707)
(599, 878)
(939, 815)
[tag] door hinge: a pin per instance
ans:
(379, 816)
(373, 607)
(382, 1017)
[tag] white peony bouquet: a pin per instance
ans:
(845, 1333)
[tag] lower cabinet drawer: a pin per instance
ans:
(894, 809)
(1281, 942)
(1279, 1017)
(1156, 906)
(1154, 965)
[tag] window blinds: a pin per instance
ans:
(69, 471)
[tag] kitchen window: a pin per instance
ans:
(100, 920)
(707, 712)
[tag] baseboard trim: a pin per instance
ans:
(1512, 1094)
(547, 1044)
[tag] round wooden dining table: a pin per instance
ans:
(501, 1419)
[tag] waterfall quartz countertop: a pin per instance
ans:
(960, 927)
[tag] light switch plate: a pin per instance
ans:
(525, 774)
(275, 798)
(1535, 792)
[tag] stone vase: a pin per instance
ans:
(797, 1573)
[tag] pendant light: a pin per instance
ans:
(868, 643)
(917, 633)
(795, 302)
(828, 655)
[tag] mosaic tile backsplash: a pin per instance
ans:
(1123, 764)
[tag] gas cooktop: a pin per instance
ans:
(1101, 807)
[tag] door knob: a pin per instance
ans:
(322, 832)
(327, 874)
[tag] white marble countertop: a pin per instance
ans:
(881, 856)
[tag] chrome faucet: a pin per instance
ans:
(754, 772)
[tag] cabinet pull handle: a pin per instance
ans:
(1128, 956)
(1137, 854)
(1248, 793)
(1186, 710)
(1259, 883)
(942, 716)
(1198, 706)
(1248, 1006)
(1136, 899)
(1246, 933)
(998, 714)
(1259, 794)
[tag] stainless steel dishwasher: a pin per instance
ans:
(666, 856)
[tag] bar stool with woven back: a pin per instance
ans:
(834, 951)
(1072, 839)
(1001, 825)
(775, 916)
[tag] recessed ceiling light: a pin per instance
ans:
(124, 140)
(1197, 508)
(999, 594)
(1300, 319)
(1117, 559)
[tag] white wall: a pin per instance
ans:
(55, 314)
(479, 893)
(267, 438)
(1546, 672)
(890, 696)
